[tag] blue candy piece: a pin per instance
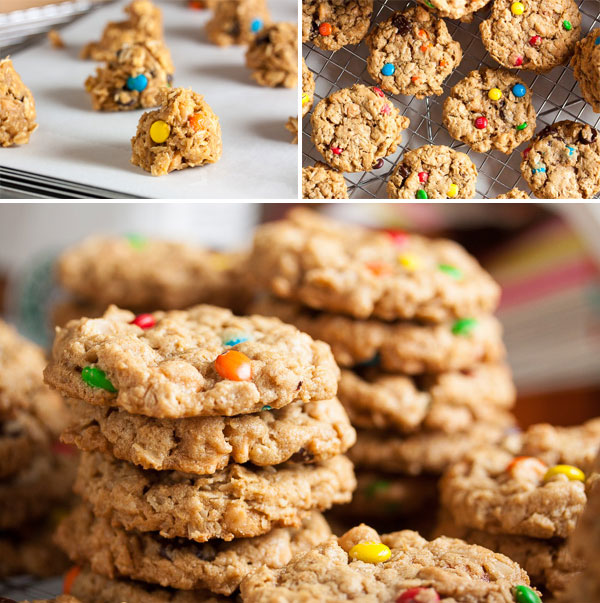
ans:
(519, 90)
(256, 25)
(138, 83)
(571, 150)
(388, 69)
(597, 41)
(536, 170)
(235, 340)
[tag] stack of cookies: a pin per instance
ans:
(523, 499)
(410, 321)
(146, 274)
(211, 443)
(36, 472)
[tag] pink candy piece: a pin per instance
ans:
(336, 150)
(410, 595)
(378, 91)
(386, 109)
(518, 61)
(423, 176)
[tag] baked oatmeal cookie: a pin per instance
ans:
(354, 127)
(17, 107)
(184, 132)
(273, 56)
(331, 24)
(412, 52)
(514, 193)
(322, 182)
(456, 9)
(132, 78)
(237, 21)
(342, 268)
(586, 67)
(563, 161)
(308, 88)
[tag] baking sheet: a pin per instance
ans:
(77, 144)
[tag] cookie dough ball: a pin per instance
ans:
(321, 182)
(331, 24)
(412, 53)
(17, 107)
(536, 35)
(237, 21)
(354, 127)
(273, 56)
(586, 66)
(456, 9)
(563, 162)
(183, 133)
(490, 109)
(514, 193)
(291, 125)
(144, 23)
(308, 88)
(433, 172)
(132, 79)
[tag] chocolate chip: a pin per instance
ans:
(401, 23)
(403, 172)
(587, 135)
(299, 385)
(378, 164)
(302, 456)
(546, 131)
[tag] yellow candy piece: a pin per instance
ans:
(495, 94)
(452, 191)
(305, 99)
(370, 552)
(573, 473)
(517, 8)
(410, 262)
(160, 131)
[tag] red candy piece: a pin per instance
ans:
(336, 150)
(378, 91)
(234, 366)
(378, 268)
(423, 176)
(399, 237)
(70, 577)
(410, 595)
(481, 123)
(518, 61)
(143, 321)
(534, 40)
(526, 152)
(63, 449)
(196, 4)
(386, 109)
(325, 29)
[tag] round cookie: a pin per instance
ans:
(360, 272)
(397, 347)
(273, 56)
(514, 193)
(490, 109)
(310, 432)
(331, 24)
(322, 182)
(200, 362)
(217, 565)
(536, 35)
(412, 52)
(308, 88)
(340, 570)
(237, 21)
(586, 67)
(455, 9)
(433, 172)
(355, 127)
(563, 162)
(237, 502)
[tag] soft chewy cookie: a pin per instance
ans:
(237, 21)
(132, 78)
(490, 109)
(331, 24)
(322, 182)
(433, 172)
(412, 52)
(398, 567)
(273, 56)
(184, 132)
(586, 67)
(455, 9)
(17, 107)
(328, 265)
(216, 565)
(354, 127)
(398, 347)
(536, 35)
(199, 362)
(514, 193)
(563, 162)
(237, 502)
(310, 432)
(308, 88)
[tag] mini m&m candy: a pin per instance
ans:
(305, 99)
(159, 131)
(422, 194)
(597, 41)
(336, 150)
(518, 61)
(519, 90)
(573, 473)
(567, 25)
(481, 123)
(524, 594)
(408, 261)
(529, 464)
(70, 578)
(378, 91)
(517, 8)
(534, 40)
(378, 268)
(325, 29)
(378, 164)
(266, 407)
(522, 126)
(95, 377)
(464, 326)
(137, 241)
(256, 25)
(370, 552)
(423, 176)
(143, 321)
(234, 366)
(388, 69)
(195, 121)
(452, 271)
(138, 83)
(452, 191)
(412, 595)
(495, 94)
(231, 338)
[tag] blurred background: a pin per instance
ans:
(546, 257)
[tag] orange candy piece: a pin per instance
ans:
(194, 121)
(379, 268)
(325, 29)
(196, 4)
(521, 459)
(443, 63)
(415, 79)
(426, 47)
(423, 34)
(70, 577)
(234, 366)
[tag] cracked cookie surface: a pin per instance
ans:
(322, 182)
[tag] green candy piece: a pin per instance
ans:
(96, 377)
(522, 126)
(464, 326)
(137, 241)
(266, 407)
(567, 25)
(379, 485)
(452, 271)
(421, 194)
(524, 594)
(429, 4)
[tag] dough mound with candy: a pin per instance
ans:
(184, 132)
(17, 107)
(237, 21)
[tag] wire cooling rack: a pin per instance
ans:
(556, 96)
(28, 588)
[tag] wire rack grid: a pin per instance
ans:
(556, 96)
(29, 588)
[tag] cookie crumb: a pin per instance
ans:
(55, 39)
